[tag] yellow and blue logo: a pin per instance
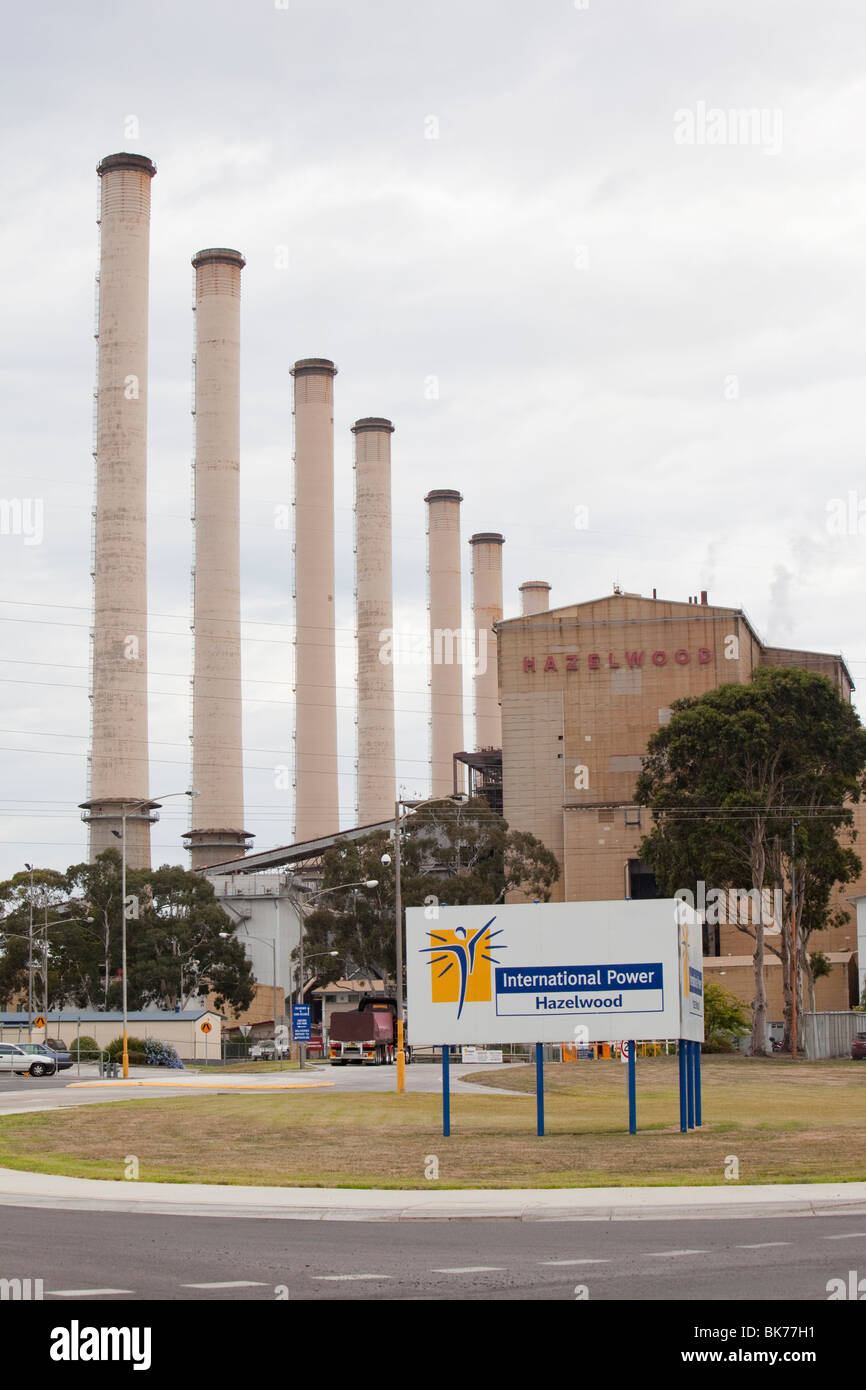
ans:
(465, 976)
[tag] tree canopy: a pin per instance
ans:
(730, 777)
(451, 853)
(175, 949)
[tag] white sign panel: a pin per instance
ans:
(549, 972)
(691, 950)
(481, 1054)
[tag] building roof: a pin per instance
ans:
(288, 854)
(350, 987)
(553, 616)
(109, 1015)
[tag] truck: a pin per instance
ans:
(365, 1034)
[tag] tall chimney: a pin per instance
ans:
(317, 806)
(119, 745)
(535, 594)
(446, 636)
(486, 610)
(376, 766)
(217, 721)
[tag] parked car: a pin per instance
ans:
(15, 1059)
(858, 1047)
(52, 1049)
(269, 1050)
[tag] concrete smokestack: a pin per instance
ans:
(119, 747)
(486, 610)
(377, 773)
(317, 807)
(217, 728)
(446, 636)
(535, 595)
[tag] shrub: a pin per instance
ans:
(85, 1044)
(161, 1054)
(724, 1019)
(136, 1045)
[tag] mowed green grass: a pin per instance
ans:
(783, 1121)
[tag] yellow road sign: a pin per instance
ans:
(39, 1022)
(206, 1027)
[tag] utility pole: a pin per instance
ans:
(30, 961)
(794, 945)
(45, 958)
(398, 922)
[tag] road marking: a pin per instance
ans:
(764, 1245)
(574, 1262)
(849, 1235)
(333, 1277)
(470, 1269)
(84, 1293)
(666, 1254)
(229, 1284)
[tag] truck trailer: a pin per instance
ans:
(365, 1034)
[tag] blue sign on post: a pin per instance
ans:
(301, 1022)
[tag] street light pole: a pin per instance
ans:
(123, 934)
(45, 957)
(398, 918)
(794, 945)
(30, 962)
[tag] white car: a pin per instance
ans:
(15, 1059)
(269, 1050)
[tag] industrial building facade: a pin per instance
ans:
(582, 689)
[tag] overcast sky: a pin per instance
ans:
(631, 296)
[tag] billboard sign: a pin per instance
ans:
(537, 972)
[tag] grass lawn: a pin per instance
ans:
(241, 1068)
(784, 1122)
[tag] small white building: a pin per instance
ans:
(195, 1034)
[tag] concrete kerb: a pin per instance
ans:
(205, 1083)
(377, 1204)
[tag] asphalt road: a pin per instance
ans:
(19, 1094)
(94, 1256)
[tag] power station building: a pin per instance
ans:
(583, 688)
(565, 699)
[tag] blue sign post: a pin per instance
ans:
(632, 1087)
(539, 1088)
(301, 1022)
(690, 1083)
(446, 1091)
